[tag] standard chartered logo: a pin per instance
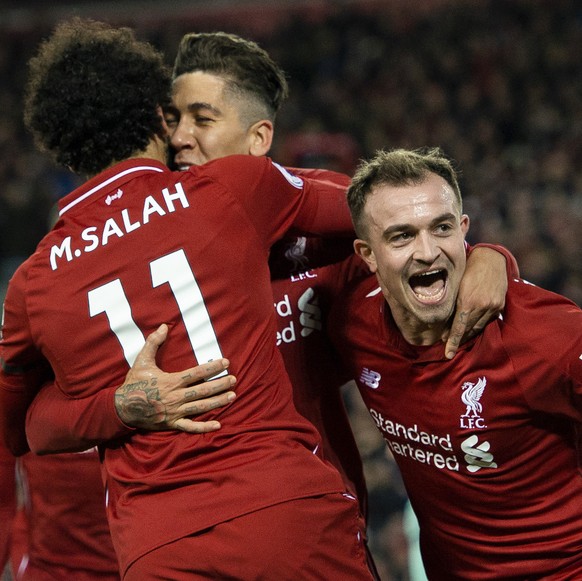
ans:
(477, 457)
(417, 444)
(309, 317)
(410, 441)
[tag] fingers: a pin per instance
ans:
(204, 371)
(201, 406)
(195, 408)
(458, 328)
(208, 396)
(479, 325)
(147, 355)
(464, 327)
(192, 427)
(209, 388)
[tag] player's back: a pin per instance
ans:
(138, 246)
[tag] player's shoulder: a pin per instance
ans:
(240, 164)
(523, 295)
(244, 173)
(539, 310)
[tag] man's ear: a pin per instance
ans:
(260, 137)
(363, 250)
(465, 224)
(165, 130)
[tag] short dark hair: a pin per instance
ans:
(397, 167)
(92, 94)
(243, 63)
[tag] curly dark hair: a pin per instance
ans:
(92, 95)
(243, 63)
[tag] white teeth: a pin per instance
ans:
(430, 272)
(430, 298)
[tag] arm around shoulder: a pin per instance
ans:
(56, 423)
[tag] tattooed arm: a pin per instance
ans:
(149, 399)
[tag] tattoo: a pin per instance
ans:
(139, 404)
(190, 394)
(463, 316)
(455, 337)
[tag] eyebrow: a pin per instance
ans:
(404, 227)
(193, 107)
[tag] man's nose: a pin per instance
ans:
(426, 248)
(182, 137)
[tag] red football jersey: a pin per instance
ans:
(302, 301)
(488, 443)
(7, 502)
(138, 245)
(302, 304)
(64, 507)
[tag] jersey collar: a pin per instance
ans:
(111, 178)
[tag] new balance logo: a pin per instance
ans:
(115, 196)
(370, 378)
(477, 457)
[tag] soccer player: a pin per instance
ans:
(137, 244)
(488, 444)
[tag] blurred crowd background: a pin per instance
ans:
(496, 83)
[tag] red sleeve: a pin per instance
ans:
(323, 175)
(512, 267)
(275, 199)
(23, 369)
(7, 502)
(57, 423)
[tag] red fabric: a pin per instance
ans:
(7, 502)
(302, 304)
(496, 486)
(64, 509)
(218, 222)
(18, 543)
(270, 544)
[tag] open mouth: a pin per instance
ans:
(429, 287)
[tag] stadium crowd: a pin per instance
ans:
(496, 84)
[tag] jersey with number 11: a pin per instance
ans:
(138, 246)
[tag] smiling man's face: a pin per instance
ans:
(415, 246)
(206, 121)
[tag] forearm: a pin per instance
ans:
(13, 405)
(56, 423)
(23, 368)
(510, 261)
(331, 215)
